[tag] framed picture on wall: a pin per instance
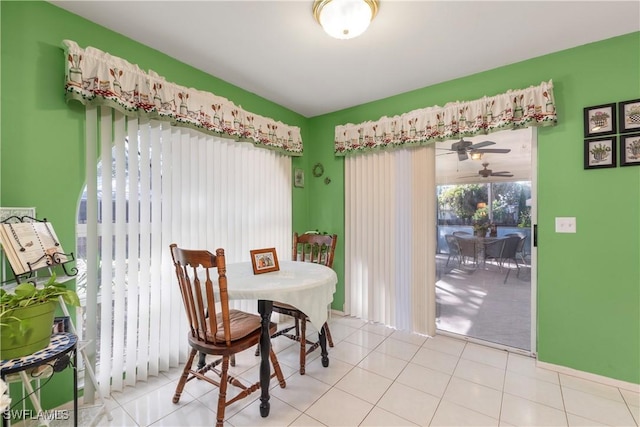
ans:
(629, 116)
(600, 153)
(600, 120)
(630, 150)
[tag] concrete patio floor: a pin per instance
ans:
(474, 301)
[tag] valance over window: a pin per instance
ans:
(534, 106)
(97, 78)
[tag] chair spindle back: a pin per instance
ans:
(192, 268)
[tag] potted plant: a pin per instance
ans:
(26, 316)
(481, 222)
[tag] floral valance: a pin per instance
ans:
(97, 78)
(534, 106)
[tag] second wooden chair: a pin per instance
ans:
(307, 247)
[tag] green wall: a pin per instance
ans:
(588, 283)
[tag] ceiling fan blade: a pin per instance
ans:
(491, 150)
(507, 174)
(481, 144)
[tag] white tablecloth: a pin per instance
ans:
(308, 287)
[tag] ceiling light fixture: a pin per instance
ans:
(345, 19)
(476, 156)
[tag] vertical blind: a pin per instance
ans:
(390, 239)
(156, 184)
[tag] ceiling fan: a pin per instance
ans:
(485, 173)
(464, 148)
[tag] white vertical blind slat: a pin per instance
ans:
(106, 246)
(145, 256)
(156, 249)
(133, 248)
(91, 303)
(120, 234)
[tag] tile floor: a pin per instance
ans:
(382, 377)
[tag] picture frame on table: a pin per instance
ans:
(298, 178)
(600, 153)
(629, 116)
(630, 150)
(264, 260)
(600, 120)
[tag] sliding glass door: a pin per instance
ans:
(485, 208)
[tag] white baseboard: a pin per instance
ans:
(589, 376)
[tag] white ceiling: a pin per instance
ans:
(275, 49)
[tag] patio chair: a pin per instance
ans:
(509, 254)
(454, 250)
(520, 253)
(493, 250)
(468, 249)
(223, 332)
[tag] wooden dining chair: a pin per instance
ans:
(221, 332)
(319, 249)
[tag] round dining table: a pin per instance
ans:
(307, 286)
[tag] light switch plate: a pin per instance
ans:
(565, 224)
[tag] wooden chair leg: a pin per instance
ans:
(183, 377)
(328, 334)
(277, 370)
(222, 396)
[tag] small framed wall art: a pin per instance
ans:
(630, 150)
(629, 116)
(600, 120)
(298, 178)
(264, 260)
(600, 153)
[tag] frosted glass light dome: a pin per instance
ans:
(345, 19)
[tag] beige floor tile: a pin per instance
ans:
(364, 384)
(338, 408)
(450, 414)
(480, 373)
(437, 360)
(473, 396)
(424, 379)
(382, 364)
(524, 412)
(597, 408)
(409, 403)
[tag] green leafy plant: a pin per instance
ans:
(27, 294)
